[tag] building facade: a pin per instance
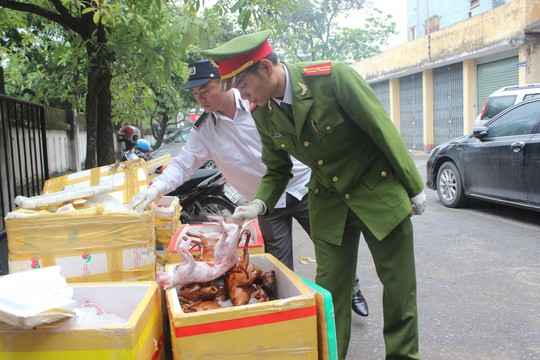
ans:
(458, 53)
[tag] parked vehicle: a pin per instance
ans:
(204, 194)
(506, 97)
(498, 162)
(173, 143)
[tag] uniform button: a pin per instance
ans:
(335, 178)
(320, 162)
(384, 173)
(282, 146)
(306, 143)
(316, 191)
(347, 196)
(328, 128)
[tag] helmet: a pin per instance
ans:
(128, 134)
(143, 145)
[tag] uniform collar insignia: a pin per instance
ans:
(304, 88)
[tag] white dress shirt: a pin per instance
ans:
(235, 146)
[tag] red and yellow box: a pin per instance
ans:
(140, 337)
(285, 328)
(255, 246)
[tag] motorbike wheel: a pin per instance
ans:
(209, 207)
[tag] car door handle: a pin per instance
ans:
(517, 146)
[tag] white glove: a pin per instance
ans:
(248, 212)
(419, 203)
(144, 198)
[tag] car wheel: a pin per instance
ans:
(450, 186)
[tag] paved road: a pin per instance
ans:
(478, 272)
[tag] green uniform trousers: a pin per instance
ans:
(394, 262)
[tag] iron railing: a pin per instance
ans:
(23, 146)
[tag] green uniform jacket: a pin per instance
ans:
(357, 157)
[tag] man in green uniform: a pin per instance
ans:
(363, 180)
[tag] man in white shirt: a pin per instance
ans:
(226, 134)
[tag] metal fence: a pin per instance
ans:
(23, 158)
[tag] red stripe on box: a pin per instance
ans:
(234, 324)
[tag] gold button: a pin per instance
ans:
(283, 146)
(335, 178)
(328, 128)
(306, 143)
(316, 191)
(347, 196)
(384, 173)
(320, 162)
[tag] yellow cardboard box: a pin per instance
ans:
(91, 243)
(141, 337)
(128, 177)
(285, 328)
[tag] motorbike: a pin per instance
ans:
(206, 194)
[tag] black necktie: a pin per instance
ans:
(287, 109)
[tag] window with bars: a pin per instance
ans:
(474, 3)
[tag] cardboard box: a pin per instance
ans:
(128, 177)
(326, 326)
(89, 245)
(285, 328)
(256, 242)
(102, 242)
(141, 337)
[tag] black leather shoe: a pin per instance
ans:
(359, 304)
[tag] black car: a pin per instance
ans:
(499, 162)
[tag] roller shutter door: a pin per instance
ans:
(493, 76)
(382, 90)
(411, 111)
(447, 102)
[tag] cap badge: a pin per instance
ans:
(192, 70)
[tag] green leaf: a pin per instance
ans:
(237, 5)
(87, 10)
(96, 17)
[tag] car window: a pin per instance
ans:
(496, 104)
(519, 121)
(530, 96)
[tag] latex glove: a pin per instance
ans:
(419, 203)
(248, 212)
(144, 198)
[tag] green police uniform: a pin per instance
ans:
(362, 179)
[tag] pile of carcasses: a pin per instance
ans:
(220, 277)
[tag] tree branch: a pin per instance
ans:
(64, 20)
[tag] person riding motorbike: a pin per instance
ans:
(129, 135)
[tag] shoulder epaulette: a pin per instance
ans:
(252, 106)
(317, 69)
(197, 124)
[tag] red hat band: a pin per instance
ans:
(235, 65)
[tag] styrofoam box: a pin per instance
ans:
(166, 207)
(210, 230)
(285, 328)
(140, 337)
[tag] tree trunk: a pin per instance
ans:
(105, 138)
(91, 119)
(2, 81)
